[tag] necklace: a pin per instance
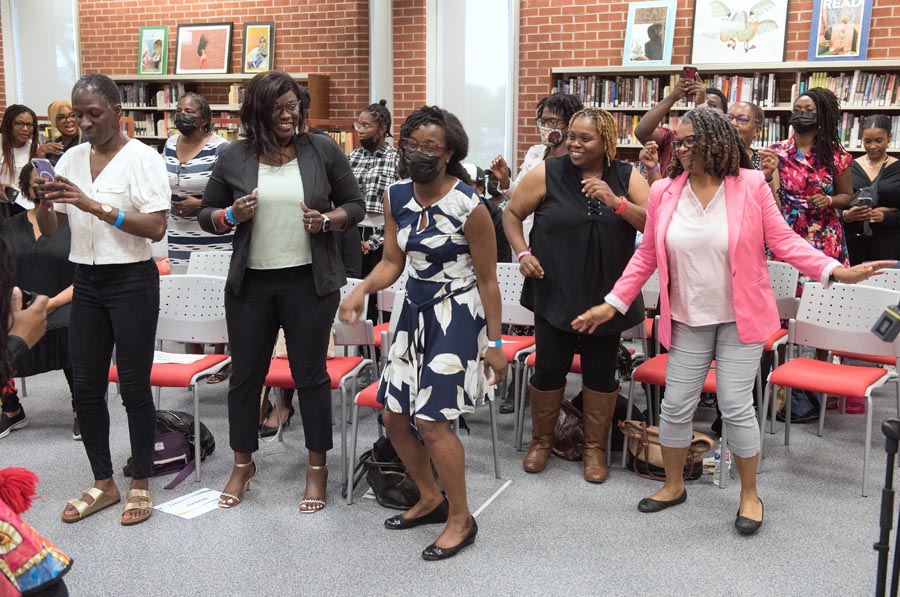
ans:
(873, 166)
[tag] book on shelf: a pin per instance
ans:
(857, 89)
(342, 138)
(851, 130)
(140, 95)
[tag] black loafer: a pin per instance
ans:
(648, 505)
(437, 516)
(432, 553)
(748, 526)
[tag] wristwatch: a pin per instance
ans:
(105, 210)
(326, 223)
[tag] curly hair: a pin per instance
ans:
(457, 139)
(717, 142)
(25, 183)
(605, 125)
(6, 136)
(564, 104)
(381, 115)
(828, 120)
(258, 106)
(205, 110)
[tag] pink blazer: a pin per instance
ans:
(753, 219)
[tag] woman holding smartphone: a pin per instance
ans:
(114, 194)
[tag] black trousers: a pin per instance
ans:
(351, 252)
(556, 348)
(269, 299)
(11, 402)
(369, 261)
(115, 305)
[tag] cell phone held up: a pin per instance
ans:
(689, 72)
(44, 169)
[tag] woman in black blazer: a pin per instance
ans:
(275, 189)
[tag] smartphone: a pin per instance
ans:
(11, 194)
(44, 169)
(689, 72)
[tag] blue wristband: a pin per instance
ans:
(119, 219)
(230, 217)
(495, 343)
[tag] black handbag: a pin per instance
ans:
(387, 476)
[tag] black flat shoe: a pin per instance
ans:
(432, 553)
(437, 516)
(747, 526)
(648, 505)
(266, 431)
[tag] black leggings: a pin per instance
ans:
(556, 348)
(11, 401)
(115, 305)
(269, 299)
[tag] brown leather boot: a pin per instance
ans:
(598, 414)
(544, 414)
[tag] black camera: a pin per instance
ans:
(888, 325)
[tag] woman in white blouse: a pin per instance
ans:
(707, 226)
(115, 195)
(19, 143)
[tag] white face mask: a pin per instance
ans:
(551, 137)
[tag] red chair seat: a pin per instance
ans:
(173, 375)
(379, 329)
(649, 323)
(653, 372)
(575, 368)
(279, 375)
(367, 397)
(514, 344)
(827, 378)
(770, 343)
(888, 360)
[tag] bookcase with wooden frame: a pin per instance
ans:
(149, 101)
(864, 88)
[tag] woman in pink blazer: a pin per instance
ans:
(706, 229)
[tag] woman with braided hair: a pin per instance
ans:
(587, 210)
(706, 228)
(814, 178)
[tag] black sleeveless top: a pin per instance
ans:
(583, 247)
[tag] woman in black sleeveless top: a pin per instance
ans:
(587, 208)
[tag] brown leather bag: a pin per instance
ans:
(645, 455)
(569, 440)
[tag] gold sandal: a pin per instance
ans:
(310, 505)
(101, 501)
(227, 500)
(144, 502)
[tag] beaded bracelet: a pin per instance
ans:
(222, 221)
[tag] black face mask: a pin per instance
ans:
(422, 169)
(369, 144)
(185, 123)
(803, 122)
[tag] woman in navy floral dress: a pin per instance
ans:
(447, 340)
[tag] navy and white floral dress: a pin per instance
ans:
(434, 369)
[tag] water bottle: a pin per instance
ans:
(718, 460)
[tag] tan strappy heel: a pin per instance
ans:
(226, 500)
(310, 505)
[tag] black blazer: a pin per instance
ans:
(327, 180)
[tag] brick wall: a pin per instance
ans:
(330, 38)
(587, 33)
(409, 58)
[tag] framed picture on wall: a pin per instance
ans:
(840, 30)
(739, 31)
(153, 50)
(203, 49)
(259, 47)
(649, 33)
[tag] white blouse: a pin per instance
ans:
(135, 180)
(699, 263)
(533, 157)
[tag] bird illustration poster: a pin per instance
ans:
(840, 29)
(739, 31)
(649, 33)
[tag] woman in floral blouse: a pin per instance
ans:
(813, 177)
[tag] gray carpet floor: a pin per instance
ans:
(548, 534)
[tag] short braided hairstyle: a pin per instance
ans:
(828, 120)
(717, 142)
(606, 128)
(457, 139)
(381, 115)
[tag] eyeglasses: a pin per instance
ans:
(554, 123)
(362, 127)
(686, 142)
(69, 116)
(428, 148)
(23, 125)
(741, 118)
(291, 108)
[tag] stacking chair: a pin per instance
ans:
(191, 310)
(890, 279)
(837, 319)
(784, 278)
(210, 263)
(385, 303)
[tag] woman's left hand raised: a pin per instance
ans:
(495, 361)
(64, 190)
(863, 271)
(597, 189)
(312, 219)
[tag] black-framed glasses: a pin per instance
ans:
(62, 117)
(686, 142)
(553, 123)
(291, 107)
(23, 125)
(740, 118)
(428, 148)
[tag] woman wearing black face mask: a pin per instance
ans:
(814, 178)
(190, 156)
